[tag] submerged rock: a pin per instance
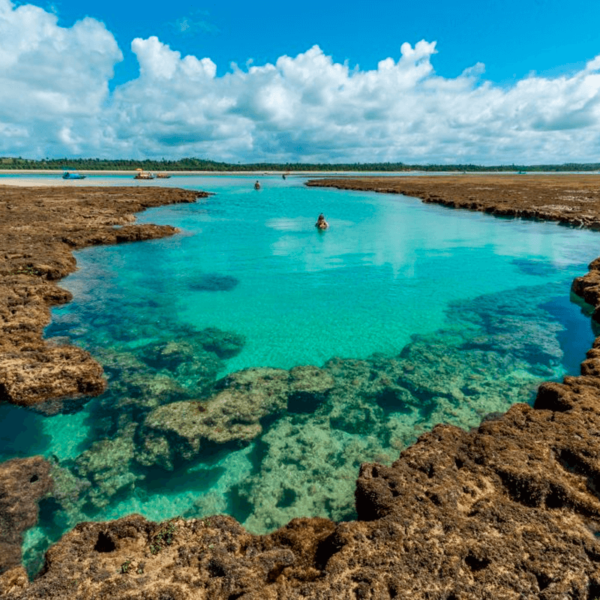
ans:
(107, 465)
(213, 282)
(224, 344)
(234, 414)
(307, 468)
(508, 510)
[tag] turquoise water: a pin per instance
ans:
(413, 315)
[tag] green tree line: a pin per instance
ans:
(198, 164)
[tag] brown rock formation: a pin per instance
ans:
(510, 510)
(39, 228)
(588, 287)
(23, 482)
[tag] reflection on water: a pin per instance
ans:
(412, 315)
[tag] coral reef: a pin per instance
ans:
(180, 430)
(508, 510)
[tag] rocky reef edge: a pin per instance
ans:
(510, 509)
(39, 230)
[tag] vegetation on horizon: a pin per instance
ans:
(198, 164)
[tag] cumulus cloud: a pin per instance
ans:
(53, 81)
(54, 99)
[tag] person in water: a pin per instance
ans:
(257, 185)
(321, 222)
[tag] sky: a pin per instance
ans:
(488, 82)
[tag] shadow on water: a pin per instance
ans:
(538, 268)
(578, 334)
(22, 433)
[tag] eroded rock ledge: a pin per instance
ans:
(39, 229)
(510, 509)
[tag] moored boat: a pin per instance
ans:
(141, 174)
(71, 174)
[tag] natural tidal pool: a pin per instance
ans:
(254, 362)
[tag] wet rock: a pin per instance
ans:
(54, 373)
(23, 483)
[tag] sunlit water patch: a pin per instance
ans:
(409, 314)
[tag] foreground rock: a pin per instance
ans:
(39, 229)
(509, 510)
(23, 482)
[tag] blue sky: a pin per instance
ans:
(489, 81)
(511, 37)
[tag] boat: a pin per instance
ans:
(163, 176)
(141, 174)
(72, 174)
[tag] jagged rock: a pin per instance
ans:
(508, 510)
(23, 483)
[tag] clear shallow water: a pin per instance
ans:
(418, 315)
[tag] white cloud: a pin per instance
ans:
(53, 80)
(54, 100)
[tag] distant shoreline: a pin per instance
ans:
(317, 173)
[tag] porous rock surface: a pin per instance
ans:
(23, 483)
(508, 510)
(39, 229)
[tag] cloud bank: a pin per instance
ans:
(55, 101)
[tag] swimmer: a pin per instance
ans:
(321, 222)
